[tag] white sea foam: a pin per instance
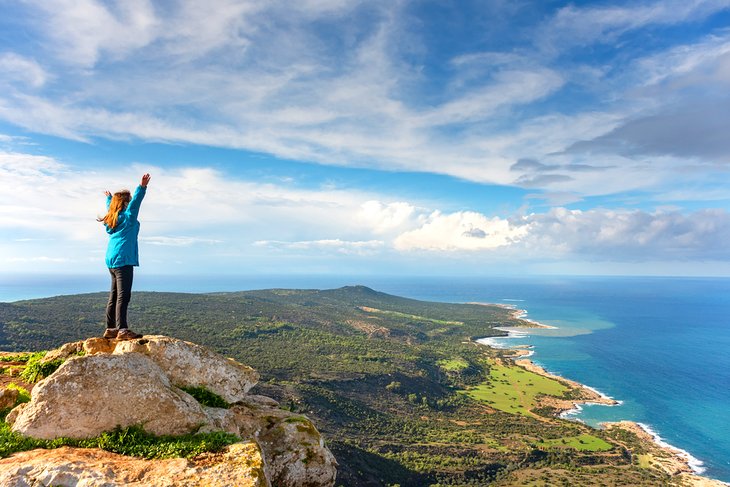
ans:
(571, 414)
(603, 395)
(516, 300)
(694, 463)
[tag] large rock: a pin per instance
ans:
(238, 465)
(188, 364)
(7, 398)
(122, 383)
(294, 450)
(91, 394)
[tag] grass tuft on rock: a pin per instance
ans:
(206, 397)
(23, 394)
(132, 441)
(36, 370)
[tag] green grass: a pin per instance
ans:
(455, 364)
(131, 441)
(513, 389)
(36, 370)
(22, 357)
(23, 394)
(206, 397)
(584, 442)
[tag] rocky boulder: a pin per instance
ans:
(302, 456)
(188, 364)
(91, 394)
(123, 383)
(8, 398)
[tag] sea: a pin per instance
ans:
(658, 345)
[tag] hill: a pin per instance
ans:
(398, 387)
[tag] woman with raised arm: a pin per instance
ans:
(122, 254)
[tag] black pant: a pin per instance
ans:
(119, 296)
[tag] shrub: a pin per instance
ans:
(132, 441)
(36, 370)
(206, 397)
(23, 357)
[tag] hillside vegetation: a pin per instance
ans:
(398, 387)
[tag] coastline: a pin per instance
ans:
(516, 314)
(674, 461)
(590, 395)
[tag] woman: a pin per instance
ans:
(122, 254)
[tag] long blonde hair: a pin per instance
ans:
(119, 202)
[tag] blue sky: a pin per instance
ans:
(368, 137)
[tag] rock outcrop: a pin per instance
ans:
(240, 464)
(188, 364)
(92, 394)
(8, 398)
(138, 382)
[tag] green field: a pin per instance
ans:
(453, 364)
(584, 442)
(513, 389)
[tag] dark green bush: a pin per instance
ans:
(206, 397)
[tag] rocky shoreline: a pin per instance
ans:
(672, 460)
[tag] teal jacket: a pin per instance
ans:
(123, 248)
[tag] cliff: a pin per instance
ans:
(103, 385)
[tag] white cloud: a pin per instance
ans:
(465, 230)
(600, 234)
(573, 25)
(209, 219)
(337, 83)
(510, 88)
(15, 68)
(81, 30)
(624, 235)
(199, 213)
(384, 217)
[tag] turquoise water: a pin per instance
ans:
(659, 345)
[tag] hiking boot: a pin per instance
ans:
(127, 334)
(111, 332)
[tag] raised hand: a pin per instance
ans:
(145, 180)
(107, 194)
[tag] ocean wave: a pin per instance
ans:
(694, 463)
(604, 395)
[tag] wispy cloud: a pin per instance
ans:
(572, 25)
(20, 70)
(272, 77)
